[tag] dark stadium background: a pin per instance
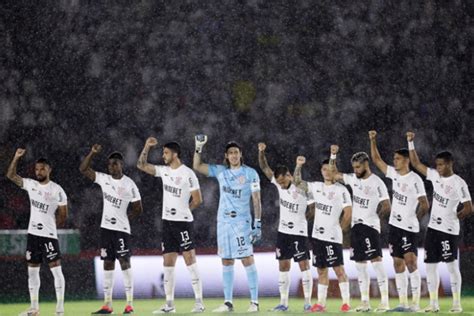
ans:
(298, 75)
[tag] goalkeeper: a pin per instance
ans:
(235, 236)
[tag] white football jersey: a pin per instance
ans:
(44, 200)
(293, 204)
(406, 191)
(117, 194)
(330, 200)
(447, 194)
(366, 196)
(177, 187)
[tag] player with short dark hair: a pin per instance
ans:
(48, 210)
(442, 235)
(368, 191)
(408, 195)
(118, 192)
(181, 195)
(292, 237)
(332, 216)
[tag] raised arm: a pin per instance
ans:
(136, 210)
(415, 161)
(196, 199)
(11, 172)
(338, 176)
(374, 153)
(61, 215)
(142, 162)
(198, 165)
(85, 166)
(262, 161)
(298, 181)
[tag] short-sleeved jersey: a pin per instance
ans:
(330, 200)
(366, 196)
(44, 200)
(236, 187)
(117, 194)
(293, 204)
(177, 187)
(448, 192)
(406, 191)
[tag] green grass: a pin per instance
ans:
(145, 307)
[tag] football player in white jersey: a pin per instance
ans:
(118, 192)
(48, 209)
(442, 236)
(368, 191)
(292, 237)
(332, 200)
(181, 195)
(408, 196)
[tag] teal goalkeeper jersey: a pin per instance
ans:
(236, 187)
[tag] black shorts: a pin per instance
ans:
(39, 248)
(365, 243)
(177, 236)
(114, 244)
(327, 254)
(440, 246)
(401, 241)
(292, 246)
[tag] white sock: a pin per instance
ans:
(284, 280)
(196, 282)
(322, 294)
(307, 281)
(456, 280)
(432, 278)
(363, 277)
(345, 294)
(401, 280)
(415, 283)
(169, 285)
(128, 284)
(34, 283)
(59, 285)
(108, 287)
(382, 280)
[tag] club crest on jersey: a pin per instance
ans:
(241, 179)
(295, 195)
(331, 195)
(47, 196)
(404, 187)
(447, 189)
(367, 190)
(121, 191)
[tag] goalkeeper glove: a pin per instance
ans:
(200, 141)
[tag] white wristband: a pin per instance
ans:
(333, 156)
(411, 145)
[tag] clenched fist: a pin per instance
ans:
(372, 135)
(334, 149)
(300, 161)
(96, 148)
(20, 152)
(262, 146)
(151, 142)
(410, 136)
